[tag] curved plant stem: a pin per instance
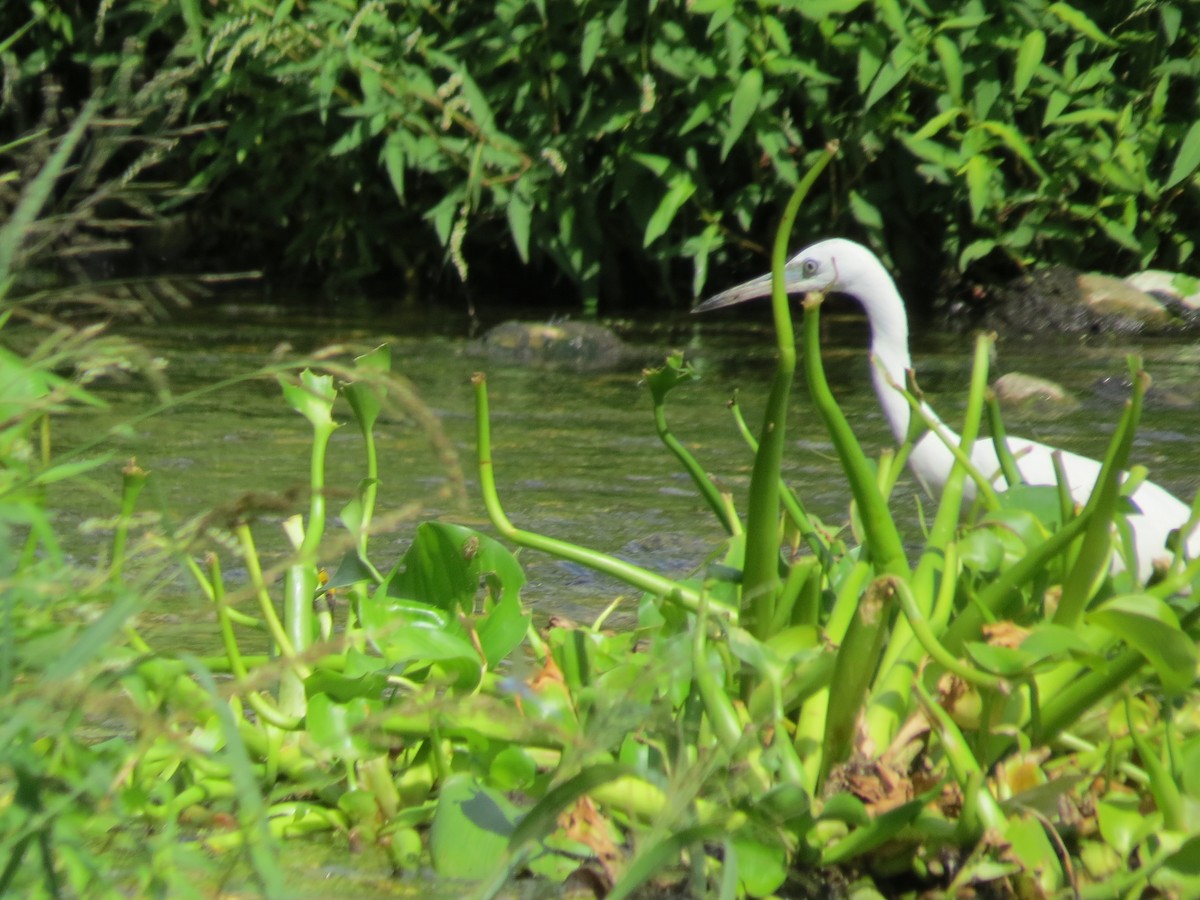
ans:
(761, 581)
(640, 578)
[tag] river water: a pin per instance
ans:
(576, 454)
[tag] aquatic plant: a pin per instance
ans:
(810, 705)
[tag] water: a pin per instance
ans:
(576, 455)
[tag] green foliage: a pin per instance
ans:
(1008, 706)
(605, 139)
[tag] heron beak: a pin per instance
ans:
(748, 290)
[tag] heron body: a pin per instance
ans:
(842, 266)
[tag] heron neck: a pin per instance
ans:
(891, 359)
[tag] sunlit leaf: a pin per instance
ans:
(338, 726)
(520, 215)
(952, 65)
(742, 107)
(1151, 627)
(762, 862)
(1188, 157)
(470, 829)
(589, 47)
(679, 190)
(1079, 22)
(1029, 57)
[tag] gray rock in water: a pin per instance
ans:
(583, 346)
(1063, 300)
(1033, 394)
(1172, 287)
(1108, 296)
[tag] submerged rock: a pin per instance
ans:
(1033, 394)
(583, 346)
(1170, 287)
(1061, 299)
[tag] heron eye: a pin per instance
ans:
(810, 267)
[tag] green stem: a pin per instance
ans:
(882, 538)
(710, 492)
(760, 576)
(640, 578)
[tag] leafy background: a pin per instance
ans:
(622, 150)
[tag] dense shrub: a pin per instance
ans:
(621, 144)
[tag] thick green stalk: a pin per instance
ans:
(760, 578)
(905, 650)
(853, 670)
(643, 579)
(882, 538)
(1092, 563)
(700, 478)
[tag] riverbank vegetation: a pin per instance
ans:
(983, 707)
(616, 151)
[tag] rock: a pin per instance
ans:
(1108, 296)
(583, 346)
(1171, 287)
(1033, 394)
(1059, 299)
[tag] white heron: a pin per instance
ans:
(842, 266)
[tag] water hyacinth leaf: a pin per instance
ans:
(1048, 640)
(351, 569)
(845, 808)
(1122, 823)
(313, 397)
(471, 829)
(337, 726)
(742, 107)
(364, 398)
(446, 564)
(413, 636)
(875, 833)
(1151, 627)
(1188, 158)
(1032, 848)
(341, 687)
(762, 862)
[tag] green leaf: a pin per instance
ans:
(1151, 627)
(902, 59)
(762, 862)
(1188, 158)
(1029, 57)
(593, 36)
(393, 161)
(952, 66)
(1080, 23)
(679, 190)
(742, 107)
(313, 397)
(471, 829)
(338, 726)
(979, 184)
(1122, 823)
(937, 123)
(1015, 142)
(520, 215)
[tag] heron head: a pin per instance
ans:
(825, 266)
